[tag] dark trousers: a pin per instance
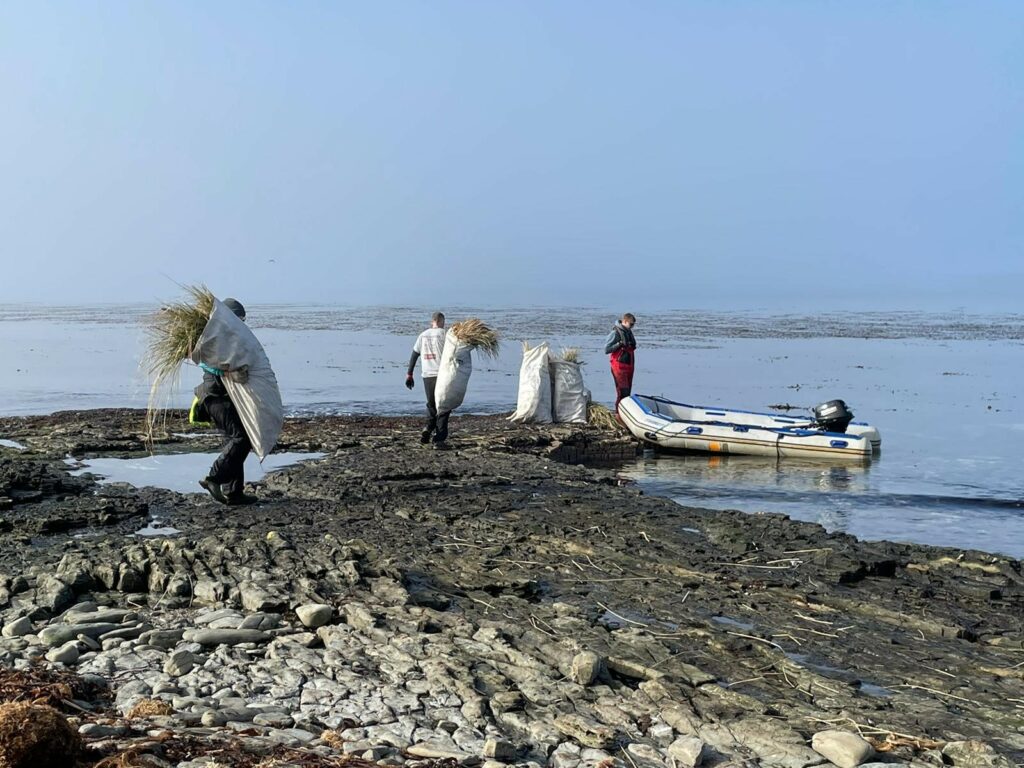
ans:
(437, 424)
(623, 375)
(229, 468)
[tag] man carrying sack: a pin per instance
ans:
(226, 479)
(430, 346)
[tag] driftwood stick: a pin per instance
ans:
(628, 621)
(756, 639)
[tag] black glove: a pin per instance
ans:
(409, 382)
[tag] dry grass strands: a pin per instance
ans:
(603, 418)
(33, 736)
(892, 742)
(572, 355)
(172, 333)
(150, 708)
(477, 335)
(174, 330)
(333, 739)
(40, 685)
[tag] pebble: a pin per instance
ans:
(58, 634)
(18, 627)
(845, 749)
(213, 718)
(687, 751)
(98, 731)
(215, 637)
(314, 615)
(89, 643)
(162, 638)
(498, 749)
(274, 720)
(67, 654)
(586, 667)
(437, 752)
(180, 663)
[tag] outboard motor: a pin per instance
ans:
(833, 416)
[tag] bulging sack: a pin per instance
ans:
(453, 376)
(228, 343)
(534, 401)
(569, 397)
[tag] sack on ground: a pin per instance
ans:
(569, 397)
(453, 376)
(228, 343)
(534, 401)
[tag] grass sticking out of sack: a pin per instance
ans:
(572, 355)
(477, 335)
(171, 335)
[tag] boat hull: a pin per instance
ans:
(676, 426)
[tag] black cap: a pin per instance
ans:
(235, 306)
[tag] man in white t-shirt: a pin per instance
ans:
(429, 347)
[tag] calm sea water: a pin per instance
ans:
(944, 389)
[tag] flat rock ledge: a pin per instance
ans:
(491, 605)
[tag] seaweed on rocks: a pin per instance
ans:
(48, 686)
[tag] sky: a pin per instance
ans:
(560, 153)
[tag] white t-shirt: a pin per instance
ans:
(430, 345)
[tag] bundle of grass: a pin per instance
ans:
(150, 708)
(475, 334)
(172, 333)
(603, 418)
(34, 736)
(333, 739)
(572, 355)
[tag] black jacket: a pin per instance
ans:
(622, 341)
(212, 386)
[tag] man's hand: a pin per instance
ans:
(239, 375)
(409, 382)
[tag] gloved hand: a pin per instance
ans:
(239, 375)
(409, 382)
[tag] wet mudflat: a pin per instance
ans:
(491, 602)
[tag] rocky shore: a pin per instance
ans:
(499, 603)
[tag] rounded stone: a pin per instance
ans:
(500, 750)
(314, 615)
(845, 749)
(180, 663)
(67, 654)
(586, 666)
(18, 627)
(213, 719)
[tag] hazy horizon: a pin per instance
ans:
(784, 305)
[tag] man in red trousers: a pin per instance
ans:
(620, 346)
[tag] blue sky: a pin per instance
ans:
(677, 154)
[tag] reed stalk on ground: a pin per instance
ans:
(602, 417)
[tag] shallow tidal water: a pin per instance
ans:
(943, 389)
(177, 471)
